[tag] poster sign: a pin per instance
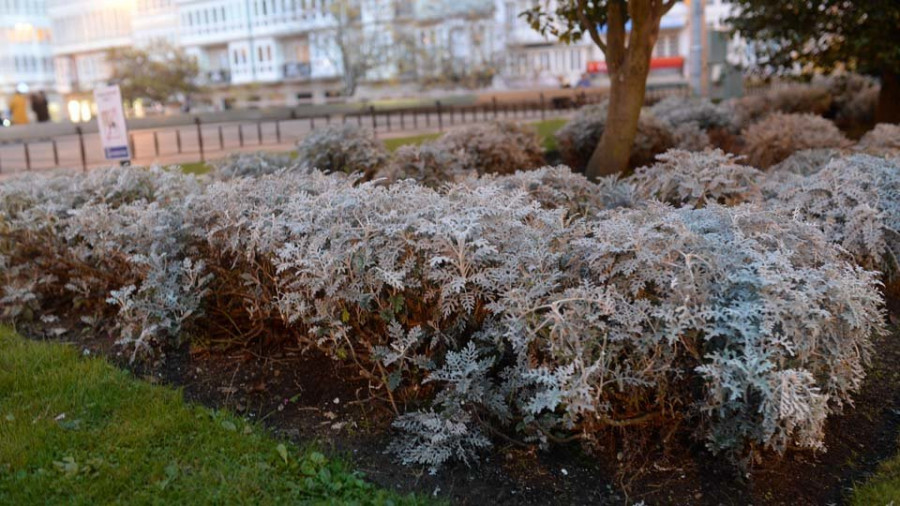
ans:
(111, 122)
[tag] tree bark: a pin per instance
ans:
(888, 109)
(626, 99)
(628, 69)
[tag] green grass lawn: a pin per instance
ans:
(77, 430)
(546, 131)
(415, 140)
(196, 168)
(881, 489)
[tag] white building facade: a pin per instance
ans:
(533, 60)
(25, 48)
(284, 52)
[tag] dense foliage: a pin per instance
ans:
(778, 136)
(699, 292)
(342, 148)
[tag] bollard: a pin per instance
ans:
(259, 137)
(374, 120)
(494, 100)
(81, 145)
(440, 120)
(200, 139)
(278, 131)
(55, 154)
(178, 140)
(221, 139)
(241, 135)
(402, 125)
(27, 157)
(156, 143)
(131, 145)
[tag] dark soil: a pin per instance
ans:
(308, 398)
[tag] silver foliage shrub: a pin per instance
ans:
(516, 303)
(856, 202)
(883, 140)
(776, 137)
(684, 178)
(251, 164)
(806, 161)
(428, 164)
(560, 188)
(112, 234)
(690, 137)
(699, 111)
(647, 305)
(579, 137)
(499, 147)
(342, 148)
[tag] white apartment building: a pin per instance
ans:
(274, 52)
(83, 32)
(533, 60)
(25, 52)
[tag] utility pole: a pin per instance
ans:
(696, 55)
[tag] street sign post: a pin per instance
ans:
(111, 122)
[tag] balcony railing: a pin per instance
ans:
(218, 76)
(297, 70)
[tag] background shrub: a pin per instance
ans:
(776, 137)
(426, 163)
(883, 140)
(493, 148)
(579, 137)
(700, 111)
(343, 148)
(806, 161)
(251, 164)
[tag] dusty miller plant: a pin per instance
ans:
(691, 179)
(251, 165)
(342, 148)
(856, 202)
(780, 135)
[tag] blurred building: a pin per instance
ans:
(258, 53)
(533, 60)
(83, 32)
(26, 60)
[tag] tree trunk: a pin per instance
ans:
(628, 83)
(888, 109)
(626, 99)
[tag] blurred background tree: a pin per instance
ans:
(820, 35)
(158, 72)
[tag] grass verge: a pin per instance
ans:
(883, 488)
(79, 431)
